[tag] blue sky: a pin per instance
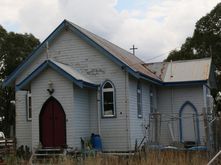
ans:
(154, 26)
(10, 26)
(135, 4)
(131, 4)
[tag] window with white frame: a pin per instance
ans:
(29, 105)
(139, 100)
(108, 100)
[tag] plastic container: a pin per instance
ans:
(96, 142)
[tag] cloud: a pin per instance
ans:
(40, 17)
(162, 27)
(99, 16)
(154, 26)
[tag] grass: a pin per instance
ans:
(150, 158)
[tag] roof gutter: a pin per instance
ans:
(150, 79)
(181, 83)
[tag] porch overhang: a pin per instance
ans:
(64, 70)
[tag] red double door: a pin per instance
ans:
(52, 124)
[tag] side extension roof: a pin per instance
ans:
(181, 71)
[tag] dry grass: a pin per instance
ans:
(151, 158)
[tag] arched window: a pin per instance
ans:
(189, 123)
(108, 100)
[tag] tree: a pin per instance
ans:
(14, 48)
(205, 42)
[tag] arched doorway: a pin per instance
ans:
(52, 122)
(189, 123)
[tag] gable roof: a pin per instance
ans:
(158, 73)
(118, 55)
(63, 70)
(181, 71)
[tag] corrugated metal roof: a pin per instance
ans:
(72, 72)
(126, 57)
(155, 72)
(181, 71)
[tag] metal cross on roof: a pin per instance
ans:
(133, 48)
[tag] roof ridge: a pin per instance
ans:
(179, 61)
(190, 60)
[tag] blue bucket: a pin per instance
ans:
(96, 142)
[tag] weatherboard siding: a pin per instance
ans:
(72, 50)
(63, 93)
(137, 125)
(38, 61)
(69, 49)
(23, 127)
(93, 104)
(80, 116)
(170, 101)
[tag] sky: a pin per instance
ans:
(155, 27)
